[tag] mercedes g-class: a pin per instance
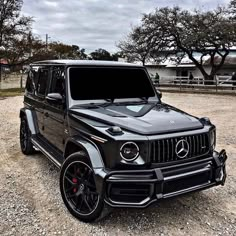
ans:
(116, 143)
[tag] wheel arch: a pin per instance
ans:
(78, 144)
(28, 114)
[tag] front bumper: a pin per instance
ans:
(140, 188)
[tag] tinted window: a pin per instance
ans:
(58, 81)
(102, 83)
(29, 83)
(32, 79)
(42, 83)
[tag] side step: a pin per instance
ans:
(48, 151)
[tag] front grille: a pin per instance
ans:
(165, 150)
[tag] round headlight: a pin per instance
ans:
(129, 151)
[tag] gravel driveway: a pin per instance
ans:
(30, 202)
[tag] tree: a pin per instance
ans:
(198, 35)
(12, 24)
(102, 54)
(142, 44)
(232, 9)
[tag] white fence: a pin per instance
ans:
(13, 80)
(219, 80)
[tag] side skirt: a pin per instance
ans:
(48, 151)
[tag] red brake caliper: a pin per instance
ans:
(74, 180)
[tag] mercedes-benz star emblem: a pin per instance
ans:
(182, 148)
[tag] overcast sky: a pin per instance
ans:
(93, 24)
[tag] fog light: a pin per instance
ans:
(129, 151)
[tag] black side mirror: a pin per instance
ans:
(54, 97)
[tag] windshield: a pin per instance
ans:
(109, 83)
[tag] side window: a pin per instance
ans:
(32, 80)
(30, 83)
(58, 81)
(43, 79)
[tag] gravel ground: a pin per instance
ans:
(30, 202)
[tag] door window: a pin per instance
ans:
(32, 80)
(42, 83)
(58, 81)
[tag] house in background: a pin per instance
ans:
(169, 70)
(4, 67)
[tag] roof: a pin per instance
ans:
(85, 63)
(229, 61)
(3, 61)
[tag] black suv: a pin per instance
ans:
(116, 144)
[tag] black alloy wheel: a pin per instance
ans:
(25, 138)
(78, 188)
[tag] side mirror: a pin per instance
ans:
(159, 93)
(54, 97)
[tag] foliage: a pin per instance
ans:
(196, 34)
(13, 26)
(102, 54)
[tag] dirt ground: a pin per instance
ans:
(30, 202)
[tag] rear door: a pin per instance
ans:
(54, 112)
(36, 87)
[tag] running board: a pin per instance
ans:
(52, 155)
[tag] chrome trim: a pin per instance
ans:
(101, 140)
(129, 160)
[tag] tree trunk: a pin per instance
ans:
(209, 79)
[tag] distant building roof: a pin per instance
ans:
(3, 61)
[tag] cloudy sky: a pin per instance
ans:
(94, 24)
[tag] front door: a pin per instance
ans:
(54, 112)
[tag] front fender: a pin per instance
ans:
(29, 115)
(95, 159)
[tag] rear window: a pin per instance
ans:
(105, 83)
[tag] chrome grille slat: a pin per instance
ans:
(159, 151)
(168, 150)
(172, 150)
(164, 150)
(197, 144)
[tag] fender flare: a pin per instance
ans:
(91, 150)
(95, 159)
(30, 120)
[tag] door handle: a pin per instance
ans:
(46, 114)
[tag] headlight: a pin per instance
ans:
(129, 151)
(213, 138)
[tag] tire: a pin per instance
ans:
(78, 189)
(25, 138)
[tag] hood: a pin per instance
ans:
(146, 119)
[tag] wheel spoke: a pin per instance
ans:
(87, 204)
(75, 170)
(81, 203)
(69, 189)
(70, 175)
(70, 181)
(71, 195)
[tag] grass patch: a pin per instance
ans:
(11, 92)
